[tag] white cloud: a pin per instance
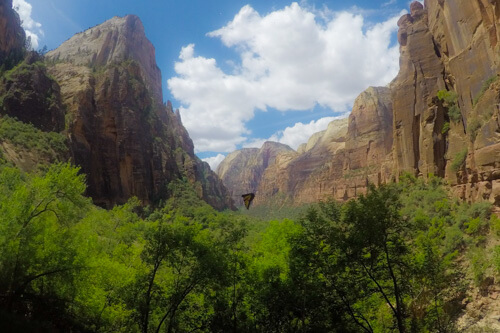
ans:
(214, 161)
(389, 3)
(33, 29)
(297, 134)
(291, 59)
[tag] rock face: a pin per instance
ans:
(439, 116)
(126, 140)
(29, 94)
(241, 171)
(12, 36)
(337, 162)
(114, 41)
(449, 46)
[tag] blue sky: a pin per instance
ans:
(243, 72)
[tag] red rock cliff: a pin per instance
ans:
(127, 141)
(439, 116)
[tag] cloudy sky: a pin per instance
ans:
(243, 72)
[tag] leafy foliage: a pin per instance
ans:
(486, 85)
(49, 144)
(459, 160)
(386, 261)
(449, 97)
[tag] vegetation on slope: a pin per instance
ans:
(388, 261)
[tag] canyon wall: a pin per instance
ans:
(102, 90)
(439, 116)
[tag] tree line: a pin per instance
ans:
(389, 261)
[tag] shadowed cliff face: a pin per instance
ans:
(127, 141)
(12, 36)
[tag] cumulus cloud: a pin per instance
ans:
(297, 134)
(32, 28)
(214, 161)
(290, 59)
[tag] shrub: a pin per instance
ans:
(496, 258)
(473, 128)
(454, 113)
(473, 226)
(479, 264)
(29, 137)
(459, 160)
(448, 96)
(446, 128)
(486, 85)
(450, 101)
(495, 224)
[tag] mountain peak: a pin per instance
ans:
(112, 42)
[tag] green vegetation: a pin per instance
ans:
(446, 128)
(486, 85)
(459, 160)
(473, 129)
(49, 144)
(450, 101)
(384, 262)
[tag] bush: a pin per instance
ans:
(486, 85)
(454, 113)
(459, 160)
(448, 96)
(496, 258)
(473, 128)
(450, 101)
(446, 128)
(28, 136)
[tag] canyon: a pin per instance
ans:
(439, 116)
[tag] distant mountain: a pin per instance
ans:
(102, 89)
(439, 116)
(242, 170)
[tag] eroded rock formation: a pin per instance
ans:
(122, 135)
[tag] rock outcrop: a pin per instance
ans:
(126, 140)
(12, 36)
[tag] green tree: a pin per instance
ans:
(38, 214)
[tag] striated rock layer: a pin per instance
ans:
(126, 140)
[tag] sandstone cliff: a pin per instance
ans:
(127, 141)
(439, 116)
(241, 171)
(338, 162)
(450, 47)
(102, 89)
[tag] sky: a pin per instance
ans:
(244, 72)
